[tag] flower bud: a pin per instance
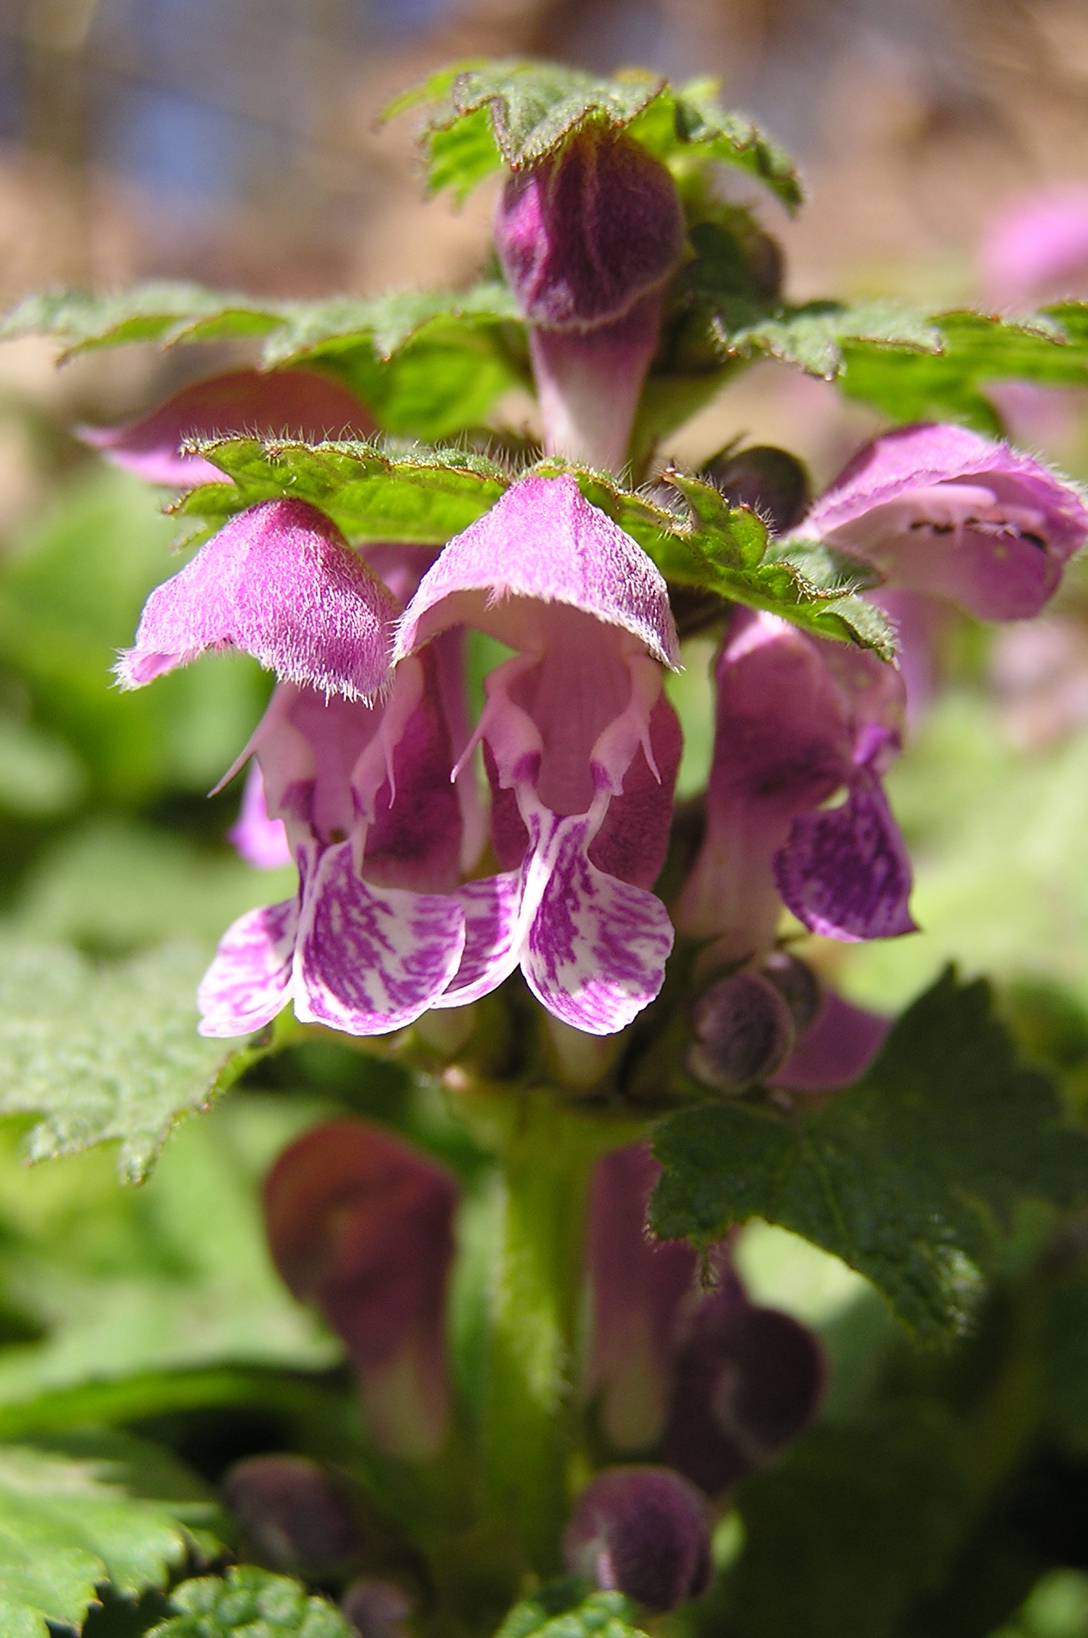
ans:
(743, 1030)
(798, 986)
(291, 1513)
(376, 1609)
(642, 1531)
(771, 481)
(746, 1382)
(587, 239)
(362, 1225)
(586, 232)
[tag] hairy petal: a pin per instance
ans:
(248, 983)
(370, 960)
(280, 582)
(844, 872)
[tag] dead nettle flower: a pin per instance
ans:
(258, 838)
(245, 403)
(588, 238)
(373, 933)
(293, 1513)
(939, 509)
(1036, 249)
(800, 720)
(836, 1049)
(643, 1531)
(742, 1028)
(362, 1225)
(581, 749)
(745, 1382)
(639, 1286)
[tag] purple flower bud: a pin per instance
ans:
(940, 510)
(362, 1225)
(586, 232)
(376, 1609)
(746, 1382)
(642, 1531)
(639, 1286)
(771, 481)
(797, 984)
(836, 1050)
(292, 1514)
(743, 1030)
(245, 403)
(587, 240)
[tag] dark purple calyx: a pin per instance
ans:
(746, 1382)
(587, 232)
(798, 986)
(642, 1531)
(743, 1029)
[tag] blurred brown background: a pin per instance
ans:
(234, 141)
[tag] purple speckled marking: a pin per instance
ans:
(492, 908)
(247, 984)
(844, 872)
(369, 960)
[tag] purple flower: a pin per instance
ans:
(587, 239)
(260, 840)
(581, 749)
(799, 720)
(1036, 249)
(835, 1050)
(362, 1225)
(292, 1513)
(375, 932)
(280, 404)
(939, 509)
(373, 823)
(639, 1286)
(643, 1531)
(280, 582)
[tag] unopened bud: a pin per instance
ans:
(746, 1382)
(743, 1030)
(376, 1609)
(291, 1513)
(642, 1531)
(588, 231)
(771, 481)
(797, 984)
(361, 1224)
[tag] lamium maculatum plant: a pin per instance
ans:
(588, 1032)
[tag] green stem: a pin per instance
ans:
(548, 1151)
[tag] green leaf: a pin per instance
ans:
(322, 329)
(67, 1525)
(906, 1175)
(817, 336)
(423, 497)
(850, 1527)
(975, 351)
(101, 1053)
(156, 311)
(561, 1611)
(253, 1604)
(516, 113)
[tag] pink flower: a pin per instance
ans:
(581, 749)
(362, 1225)
(260, 840)
(799, 719)
(1036, 249)
(245, 403)
(941, 510)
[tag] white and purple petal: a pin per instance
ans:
(280, 582)
(248, 982)
(369, 960)
(844, 872)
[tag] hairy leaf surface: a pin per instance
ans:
(252, 1602)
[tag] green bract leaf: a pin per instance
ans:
(422, 497)
(560, 1611)
(905, 1175)
(252, 1603)
(975, 351)
(101, 1053)
(149, 312)
(67, 1526)
(813, 337)
(516, 113)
